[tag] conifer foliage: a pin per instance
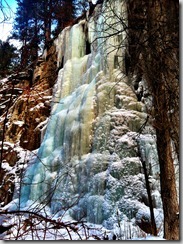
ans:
(38, 21)
(8, 58)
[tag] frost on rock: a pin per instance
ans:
(143, 219)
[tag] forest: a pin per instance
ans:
(89, 120)
(36, 23)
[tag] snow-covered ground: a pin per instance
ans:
(28, 226)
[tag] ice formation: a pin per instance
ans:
(88, 163)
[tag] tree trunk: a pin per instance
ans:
(164, 146)
(153, 25)
(168, 186)
(143, 160)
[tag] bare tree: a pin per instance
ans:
(5, 11)
(149, 33)
(157, 59)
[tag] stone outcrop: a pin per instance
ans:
(25, 108)
(31, 105)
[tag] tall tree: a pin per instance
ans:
(8, 57)
(35, 22)
(26, 30)
(154, 26)
(64, 13)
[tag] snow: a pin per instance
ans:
(6, 166)
(149, 238)
(42, 124)
(19, 123)
(6, 145)
(144, 212)
(87, 164)
(3, 81)
(127, 228)
(47, 227)
(38, 106)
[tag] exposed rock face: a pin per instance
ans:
(7, 178)
(88, 161)
(33, 106)
(24, 113)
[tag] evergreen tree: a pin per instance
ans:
(8, 58)
(36, 22)
(64, 13)
(26, 30)
(81, 6)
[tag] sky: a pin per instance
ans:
(6, 26)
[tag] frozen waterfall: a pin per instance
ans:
(88, 162)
